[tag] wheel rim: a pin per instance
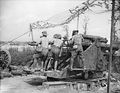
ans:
(5, 58)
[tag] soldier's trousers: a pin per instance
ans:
(76, 59)
(42, 55)
(55, 51)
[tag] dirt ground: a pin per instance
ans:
(18, 85)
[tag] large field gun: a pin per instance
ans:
(95, 59)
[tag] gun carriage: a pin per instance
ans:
(95, 59)
(92, 71)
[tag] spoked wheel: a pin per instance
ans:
(5, 59)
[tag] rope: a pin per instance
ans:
(15, 38)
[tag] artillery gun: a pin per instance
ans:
(93, 70)
(95, 60)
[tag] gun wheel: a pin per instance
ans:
(5, 59)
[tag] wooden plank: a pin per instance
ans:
(56, 83)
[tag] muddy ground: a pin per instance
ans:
(18, 84)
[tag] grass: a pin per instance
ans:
(21, 57)
(25, 55)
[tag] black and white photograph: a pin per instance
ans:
(59, 46)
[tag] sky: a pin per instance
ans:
(16, 15)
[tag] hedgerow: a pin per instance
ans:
(21, 57)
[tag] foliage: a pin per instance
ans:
(20, 57)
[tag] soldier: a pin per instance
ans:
(57, 43)
(76, 41)
(44, 42)
(42, 49)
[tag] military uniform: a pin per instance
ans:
(44, 45)
(55, 49)
(42, 49)
(77, 41)
(77, 48)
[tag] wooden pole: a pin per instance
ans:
(31, 32)
(78, 20)
(111, 45)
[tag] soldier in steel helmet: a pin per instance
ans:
(42, 49)
(76, 42)
(57, 43)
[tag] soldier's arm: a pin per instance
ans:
(71, 41)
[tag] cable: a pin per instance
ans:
(15, 38)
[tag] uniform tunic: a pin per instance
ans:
(77, 41)
(44, 42)
(42, 50)
(56, 45)
(57, 42)
(77, 46)
(44, 45)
